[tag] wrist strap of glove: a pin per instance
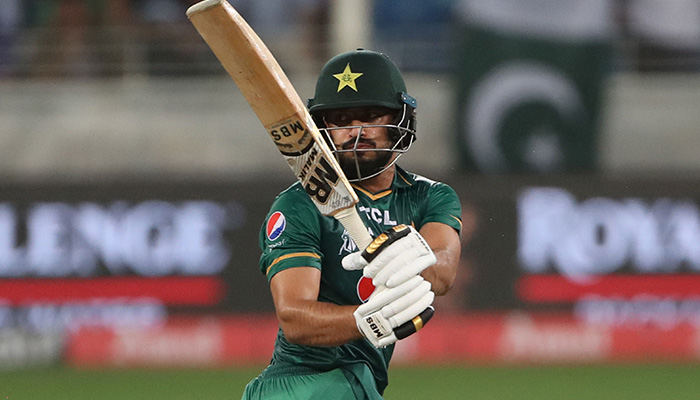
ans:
(414, 325)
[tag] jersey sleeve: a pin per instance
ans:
(290, 235)
(443, 206)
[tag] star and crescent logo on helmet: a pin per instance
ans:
(347, 78)
(276, 225)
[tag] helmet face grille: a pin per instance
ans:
(401, 135)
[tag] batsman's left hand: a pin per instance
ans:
(395, 313)
(393, 257)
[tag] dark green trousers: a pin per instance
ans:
(354, 382)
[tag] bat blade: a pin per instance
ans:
(279, 108)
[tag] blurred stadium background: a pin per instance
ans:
(134, 179)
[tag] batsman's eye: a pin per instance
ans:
(338, 118)
(347, 116)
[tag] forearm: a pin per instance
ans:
(315, 323)
(441, 275)
(445, 243)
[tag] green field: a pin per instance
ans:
(633, 382)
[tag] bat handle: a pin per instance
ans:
(352, 222)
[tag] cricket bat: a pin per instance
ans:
(281, 111)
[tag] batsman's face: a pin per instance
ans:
(361, 140)
(360, 129)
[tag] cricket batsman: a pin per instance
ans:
(336, 334)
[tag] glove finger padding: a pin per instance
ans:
(392, 307)
(353, 261)
(360, 259)
(405, 308)
(378, 256)
(379, 299)
(398, 261)
(393, 257)
(403, 267)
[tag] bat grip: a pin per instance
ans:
(352, 222)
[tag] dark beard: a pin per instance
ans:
(367, 167)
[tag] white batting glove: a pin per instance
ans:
(406, 307)
(393, 257)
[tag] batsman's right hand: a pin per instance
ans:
(393, 257)
(394, 313)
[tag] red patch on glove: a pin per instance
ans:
(365, 288)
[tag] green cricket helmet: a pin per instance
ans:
(365, 78)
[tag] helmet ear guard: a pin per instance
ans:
(406, 122)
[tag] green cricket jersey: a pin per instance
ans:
(295, 234)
